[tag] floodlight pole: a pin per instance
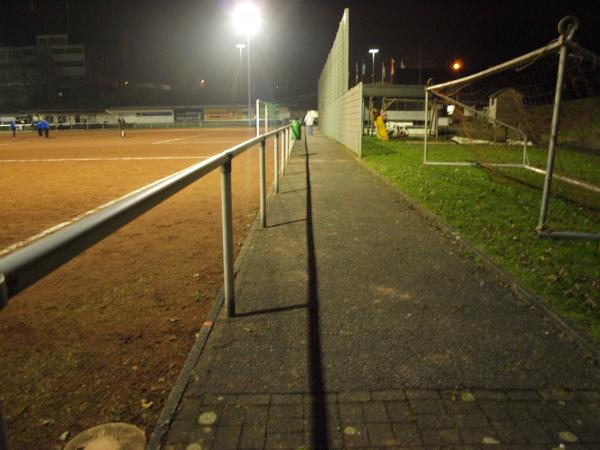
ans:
(248, 53)
(240, 47)
(373, 51)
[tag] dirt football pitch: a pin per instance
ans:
(102, 339)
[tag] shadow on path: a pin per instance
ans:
(320, 433)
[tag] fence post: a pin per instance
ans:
(227, 221)
(276, 162)
(263, 193)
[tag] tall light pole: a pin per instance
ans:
(373, 51)
(240, 47)
(246, 20)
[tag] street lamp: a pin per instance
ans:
(457, 66)
(373, 51)
(246, 21)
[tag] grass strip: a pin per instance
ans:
(497, 211)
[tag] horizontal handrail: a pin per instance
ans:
(27, 265)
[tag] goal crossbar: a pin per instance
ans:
(552, 47)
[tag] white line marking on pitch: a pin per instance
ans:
(198, 142)
(124, 158)
(24, 242)
(177, 139)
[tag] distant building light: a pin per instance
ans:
(457, 65)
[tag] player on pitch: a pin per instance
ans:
(122, 127)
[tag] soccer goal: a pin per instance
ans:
(506, 118)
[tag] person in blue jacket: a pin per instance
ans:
(45, 127)
(13, 128)
(37, 125)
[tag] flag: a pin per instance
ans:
(382, 72)
(392, 69)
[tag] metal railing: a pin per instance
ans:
(29, 264)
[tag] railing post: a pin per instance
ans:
(263, 184)
(282, 147)
(284, 152)
(227, 221)
(276, 162)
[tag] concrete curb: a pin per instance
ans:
(585, 343)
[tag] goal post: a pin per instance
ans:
(520, 104)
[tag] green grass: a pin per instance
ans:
(497, 211)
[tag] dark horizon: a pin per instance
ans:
(183, 41)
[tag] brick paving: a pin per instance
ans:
(391, 419)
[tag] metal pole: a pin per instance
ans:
(257, 117)
(426, 122)
(373, 69)
(227, 221)
(285, 150)
(553, 132)
(263, 189)
(282, 135)
(276, 162)
(249, 96)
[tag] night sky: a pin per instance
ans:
(178, 42)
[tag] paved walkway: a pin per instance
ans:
(361, 325)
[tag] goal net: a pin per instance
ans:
(503, 120)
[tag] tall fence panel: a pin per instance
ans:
(342, 119)
(340, 109)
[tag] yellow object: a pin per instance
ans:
(381, 131)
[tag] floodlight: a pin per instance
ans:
(373, 51)
(246, 18)
(240, 46)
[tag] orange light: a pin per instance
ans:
(457, 65)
